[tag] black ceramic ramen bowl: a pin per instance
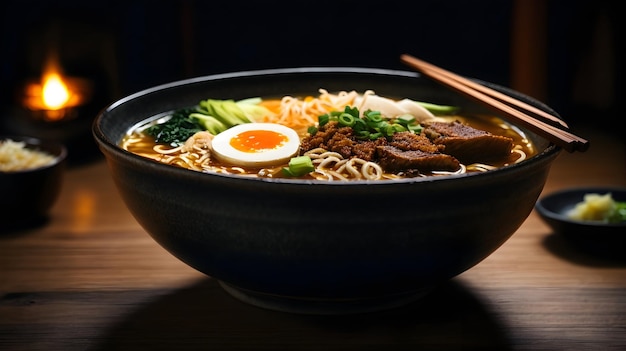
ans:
(316, 246)
(27, 194)
(594, 237)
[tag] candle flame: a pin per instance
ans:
(55, 92)
(54, 96)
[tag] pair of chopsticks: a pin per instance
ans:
(542, 123)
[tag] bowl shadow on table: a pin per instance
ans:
(584, 250)
(204, 316)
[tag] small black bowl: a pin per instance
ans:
(27, 195)
(592, 236)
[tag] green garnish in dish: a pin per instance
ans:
(619, 214)
(177, 129)
(213, 116)
(438, 110)
(372, 125)
(597, 207)
(299, 166)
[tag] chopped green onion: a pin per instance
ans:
(373, 119)
(371, 125)
(299, 166)
(374, 136)
(406, 119)
(363, 134)
(346, 119)
(353, 111)
(388, 130)
(417, 129)
(373, 116)
(397, 127)
(323, 119)
(359, 125)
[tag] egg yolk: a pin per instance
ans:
(257, 140)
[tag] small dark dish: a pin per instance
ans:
(315, 246)
(592, 236)
(27, 195)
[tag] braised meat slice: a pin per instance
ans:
(408, 141)
(467, 144)
(366, 150)
(392, 159)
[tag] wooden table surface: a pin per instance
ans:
(90, 278)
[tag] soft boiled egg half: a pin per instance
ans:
(256, 145)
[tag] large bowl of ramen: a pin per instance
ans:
(323, 190)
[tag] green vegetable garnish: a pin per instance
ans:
(176, 130)
(213, 116)
(210, 123)
(252, 109)
(372, 125)
(323, 119)
(346, 120)
(438, 109)
(299, 166)
(619, 213)
(406, 120)
(226, 111)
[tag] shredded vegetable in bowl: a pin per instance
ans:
(15, 156)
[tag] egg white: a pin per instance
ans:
(225, 153)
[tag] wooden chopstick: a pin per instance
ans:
(548, 126)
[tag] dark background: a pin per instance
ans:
(126, 46)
